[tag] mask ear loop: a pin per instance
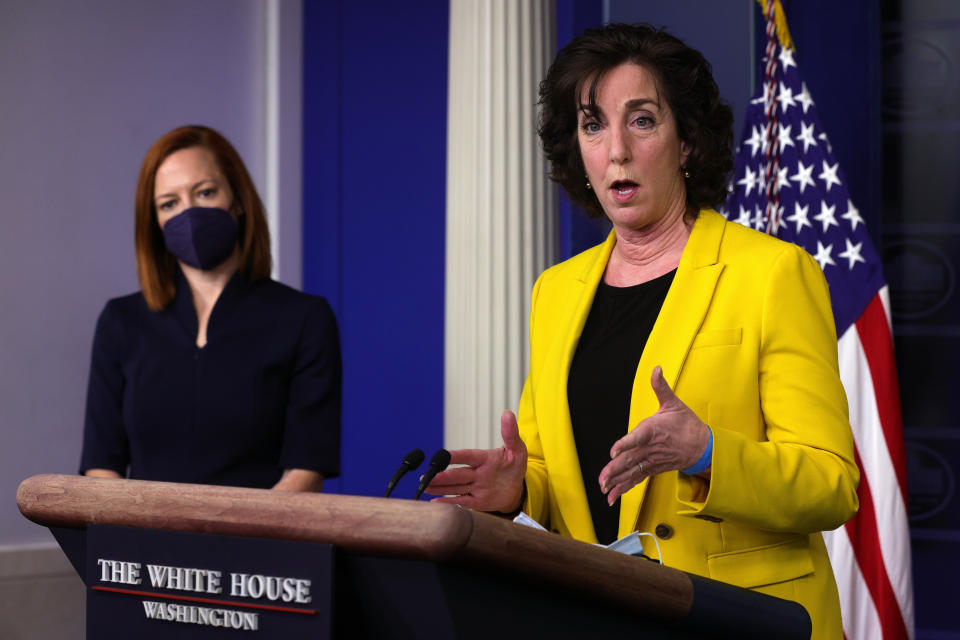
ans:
(656, 543)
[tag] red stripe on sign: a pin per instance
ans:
(865, 539)
(877, 344)
(226, 603)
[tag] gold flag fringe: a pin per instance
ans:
(783, 33)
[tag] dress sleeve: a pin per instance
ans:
(311, 435)
(802, 477)
(105, 444)
(537, 503)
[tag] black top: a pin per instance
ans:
(601, 382)
(261, 396)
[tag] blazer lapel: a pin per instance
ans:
(566, 477)
(676, 327)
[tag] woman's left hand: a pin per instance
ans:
(672, 438)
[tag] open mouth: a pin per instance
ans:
(624, 188)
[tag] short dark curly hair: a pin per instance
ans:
(682, 75)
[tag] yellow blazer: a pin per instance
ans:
(746, 339)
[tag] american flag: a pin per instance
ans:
(787, 182)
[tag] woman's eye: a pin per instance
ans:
(166, 206)
(207, 193)
(590, 127)
(643, 121)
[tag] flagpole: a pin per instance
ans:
(772, 170)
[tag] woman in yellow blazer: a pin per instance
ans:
(737, 450)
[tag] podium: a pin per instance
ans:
(169, 560)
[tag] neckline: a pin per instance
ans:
(186, 314)
(649, 284)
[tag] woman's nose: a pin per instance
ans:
(619, 149)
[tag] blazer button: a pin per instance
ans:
(663, 531)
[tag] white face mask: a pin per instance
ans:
(629, 544)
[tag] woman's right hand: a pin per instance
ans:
(492, 479)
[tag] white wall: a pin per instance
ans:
(85, 87)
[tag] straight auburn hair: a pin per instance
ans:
(156, 266)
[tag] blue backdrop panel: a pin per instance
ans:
(375, 100)
(838, 49)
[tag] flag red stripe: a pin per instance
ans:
(865, 539)
(875, 336)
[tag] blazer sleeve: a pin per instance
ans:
(537, 504)
(311, 433)
(105, 444)
(801, 476)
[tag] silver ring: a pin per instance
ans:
(640, 466)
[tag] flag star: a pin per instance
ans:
(782, 178)
(755, 140)
(784, 136)
(744, 217)
(761, 182)
(785, 98)
(786, 58)
(758, 222)
(806, 136)
(804, 98)
(762, 99)
(823, 136)
(749, 180)
(853, 215)
(852, 254)
(826, 216)
(829, 175)
(764, 141)
(823, 255)
(803, 176)
(800, 217)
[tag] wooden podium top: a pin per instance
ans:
(364, 525)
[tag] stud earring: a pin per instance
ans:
(589, 186)
(686, 174)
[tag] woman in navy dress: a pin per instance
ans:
(212, 373)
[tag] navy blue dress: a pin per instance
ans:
(263, 394)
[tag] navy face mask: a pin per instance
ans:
(202, 237)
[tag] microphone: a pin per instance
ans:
(410, 462)
(439, 462)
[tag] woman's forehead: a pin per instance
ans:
(189, 160)
(186, 167)
(627, 84)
